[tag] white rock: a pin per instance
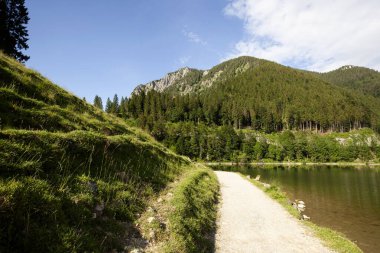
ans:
(136, 251)
(301, 206)
(163, 83)
(305, 217)
(150, 219)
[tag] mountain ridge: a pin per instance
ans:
(333, 77)
(251, 92)
(198, 78)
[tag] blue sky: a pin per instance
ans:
(106, 47)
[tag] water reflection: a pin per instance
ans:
(346, 199)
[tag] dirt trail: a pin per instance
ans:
(250, 221)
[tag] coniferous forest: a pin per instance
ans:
(245, 107)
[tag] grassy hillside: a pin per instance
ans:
(30, 101)
(72, 178)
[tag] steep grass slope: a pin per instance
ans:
(72, 178)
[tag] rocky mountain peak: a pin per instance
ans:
(162, 84)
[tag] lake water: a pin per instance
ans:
(346, 199)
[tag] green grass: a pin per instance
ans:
(333, 239)
(45, 188)
(60, 158)
(193, 219)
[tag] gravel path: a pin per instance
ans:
(250, 221)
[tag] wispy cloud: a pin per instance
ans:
(194, 37)
(317, 35)
(184, 60)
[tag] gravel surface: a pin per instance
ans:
(250, 221)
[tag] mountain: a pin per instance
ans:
(75, 179)
(181, 79)
(259, 94)
(187, 80)
(357, 78)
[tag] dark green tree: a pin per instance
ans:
(13, 32)
(287, 140)
(248, 146)
(109, 106)
(275, 153)
(123, 107)
(115, 104)
(159, 130)
(260, 149)
(98, 102)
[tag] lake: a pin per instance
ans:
(346, 199)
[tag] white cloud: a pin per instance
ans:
(193, 37)
(184, 60)
(317, 35)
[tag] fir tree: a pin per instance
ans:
(13, 31)
(115, 104)
(122, 111)
(98, 102)
(109, 106)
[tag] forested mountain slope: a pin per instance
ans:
(356, 78)
(72, 178)
(259, 94)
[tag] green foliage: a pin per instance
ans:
(13, 28)
(224, 143)
(275, 153)
(355, 78)
(244, 93)
(192, 222)
(288, 140)
(70, 174)
(260, 150)
(112, 106)
(98, 103)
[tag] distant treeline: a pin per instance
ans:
(152, 107)
(201, 141)
(225, 143)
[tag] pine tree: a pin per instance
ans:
(98, 102)
(122, 107)
(13, 31)
(109, 105)
(115, 105)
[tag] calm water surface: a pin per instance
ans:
(345, 199)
